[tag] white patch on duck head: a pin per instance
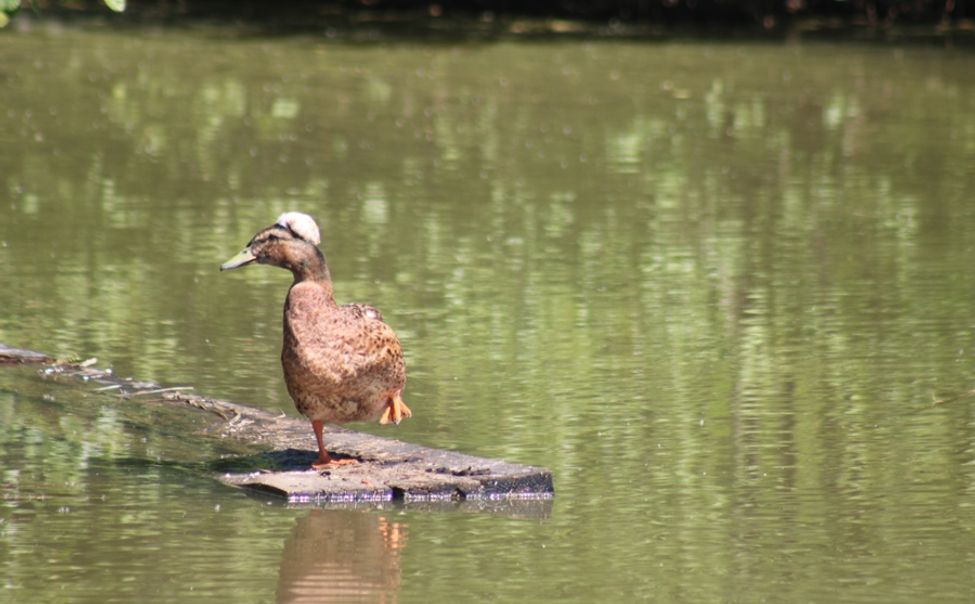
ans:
(301, 225)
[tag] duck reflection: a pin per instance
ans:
(341, 555)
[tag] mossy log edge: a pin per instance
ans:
(387, 469)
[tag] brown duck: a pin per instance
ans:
(341, 363)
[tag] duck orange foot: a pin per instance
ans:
(395, 411)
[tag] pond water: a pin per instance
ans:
(724, 290)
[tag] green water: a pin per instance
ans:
(717, 288)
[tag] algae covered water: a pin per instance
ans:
(722, 289)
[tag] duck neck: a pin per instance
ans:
(313, 268)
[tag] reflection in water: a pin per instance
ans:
(341, 555)
(712, 286)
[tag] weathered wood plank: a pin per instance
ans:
(387, 469)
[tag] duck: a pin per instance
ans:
(342, 363)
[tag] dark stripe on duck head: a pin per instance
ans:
(294, 233)
(272, 233)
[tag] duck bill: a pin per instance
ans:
(242, 259)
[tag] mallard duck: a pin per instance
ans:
(341, 363)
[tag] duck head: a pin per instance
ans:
(291, 243)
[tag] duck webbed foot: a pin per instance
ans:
(330, 462)
(324, 459)
(395, 411)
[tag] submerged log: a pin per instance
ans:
(387, 469)
(9, 355)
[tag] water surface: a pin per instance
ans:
(718, 288)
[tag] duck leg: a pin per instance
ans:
(324, 459)
(395, 410)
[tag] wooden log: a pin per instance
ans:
(9, 355)
(387, 469)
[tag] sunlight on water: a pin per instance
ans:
(723, 291)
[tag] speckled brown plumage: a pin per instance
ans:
(341, 363)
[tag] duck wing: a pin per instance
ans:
(349, 348)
